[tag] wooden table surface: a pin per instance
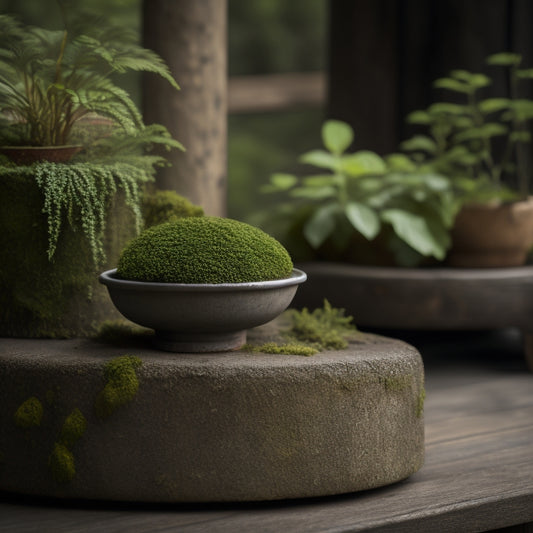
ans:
(478, 474)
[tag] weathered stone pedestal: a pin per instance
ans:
(230, 426)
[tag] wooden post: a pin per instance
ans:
(191, 36)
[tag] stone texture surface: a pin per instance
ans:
(230, 426)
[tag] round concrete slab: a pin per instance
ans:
(230, 426)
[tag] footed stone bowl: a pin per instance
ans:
(201, 317)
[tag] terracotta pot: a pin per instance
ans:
(27, 155)
(492, 235)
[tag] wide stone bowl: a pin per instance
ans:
(201, 317)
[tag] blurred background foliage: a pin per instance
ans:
(264, 37)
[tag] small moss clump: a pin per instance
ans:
(118, 332)
(29, 413)
(121, 387)
(420, 402)
(61, 463)
(325, 327)
(73, 428)
(309, 333)
(290, 348)
(159, 207)
(204, 250)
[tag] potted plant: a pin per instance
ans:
(347, 210)
(62, 221)
(481, 143)
(201, 282)
(362, 208)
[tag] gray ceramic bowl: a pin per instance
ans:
(201, 317)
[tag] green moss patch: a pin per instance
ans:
(291, 348)
(310, 332)
(118, 332)
(29, 414)
(121, 387)
(420, 402)
(73, 428)
(61, 463)
(204, 250)
(325, 327)
(159, 207)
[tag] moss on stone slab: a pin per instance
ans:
(420, 402)
(309, 332)
(121, 387)
(29, 414)
(326, 327)
(73, 429)
(290, 348)
(119, 332)
(61, 463)
(204, 250)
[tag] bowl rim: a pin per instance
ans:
(109, 279)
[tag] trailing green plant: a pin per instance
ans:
(477, 139)
(50, 79)
(79, 194)
(363, 193)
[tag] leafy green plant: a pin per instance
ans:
(50, 79)
(478, 141)
(363, 193)
(56, 88)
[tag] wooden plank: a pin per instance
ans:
(275, 92)
(478, 474)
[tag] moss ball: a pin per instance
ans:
(204, 250)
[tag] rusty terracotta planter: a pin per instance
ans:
(492, 235)
(27, 155)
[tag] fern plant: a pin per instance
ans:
(49, 82)
(50, 79)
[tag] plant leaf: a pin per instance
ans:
(337, 136)
(504, 59)
(419, 142)
(313, 193)
(320, 158)
(363, 219)
(282, 181)
(492, 105)
(321, 224)
(400, 162)
(526, 73)
(414, 230)
(419, 117)
(326, 180)
(452, 85)
(362, 163)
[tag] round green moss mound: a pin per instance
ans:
(204, 250)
